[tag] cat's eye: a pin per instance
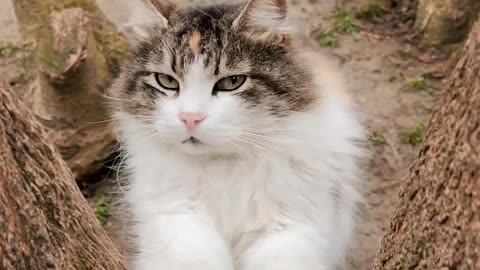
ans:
(230, 83)
(167, 81)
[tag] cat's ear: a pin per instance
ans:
(162, 8)
(146, 14)
(265, 17)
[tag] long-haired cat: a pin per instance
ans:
(242, 149)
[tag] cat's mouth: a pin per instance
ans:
(192, 140)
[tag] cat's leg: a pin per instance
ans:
(291, 247)
(185, 241)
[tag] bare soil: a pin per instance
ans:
(377, 67)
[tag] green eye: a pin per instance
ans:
(230, 83)
(167, 81)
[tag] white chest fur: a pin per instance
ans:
(306, 184)
(240, 195)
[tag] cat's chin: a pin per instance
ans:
(196, 147)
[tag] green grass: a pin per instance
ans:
(416, 84)
(101, 210)
(7, 49)
(327, 38)
(414, 135)
(344, 21)
(377, 138)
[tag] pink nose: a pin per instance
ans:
(191, 120)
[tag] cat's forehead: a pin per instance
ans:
(199, 33)
(205, 20)
(201, 28)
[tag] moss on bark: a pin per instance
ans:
(443, 21)
(76, 54)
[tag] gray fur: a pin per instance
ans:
(280, 84)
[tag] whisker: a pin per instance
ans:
(263, 146)
(141, 117)
(255, 144)
(267, 138)
(119, 170)
(103, 95)
(230, 126)
(148, 135)
(241, 150)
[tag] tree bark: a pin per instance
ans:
(436, 224)
(45, 223)
(75, 55)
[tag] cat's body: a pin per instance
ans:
(265, 178)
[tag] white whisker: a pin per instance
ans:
(103, 95)
(140, 117)
(260, 145)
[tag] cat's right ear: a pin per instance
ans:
(264, 18)
(145, 15)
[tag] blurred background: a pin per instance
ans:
(395, 54)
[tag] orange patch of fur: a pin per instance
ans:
(194, 42)
(329, 73)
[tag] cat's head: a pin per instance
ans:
(212, 79)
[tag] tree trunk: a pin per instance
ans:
(75, 55)
(45, 223)
(443, 21)
(436, 224)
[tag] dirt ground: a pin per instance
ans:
(379, 70)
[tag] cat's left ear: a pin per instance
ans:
(146, 14)
(267, 18)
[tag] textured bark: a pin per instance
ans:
(45, 223)
(436, 224)
(76, 53)
(443, 21)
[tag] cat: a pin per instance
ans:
(242, 147)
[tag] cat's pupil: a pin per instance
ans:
(234, 80)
